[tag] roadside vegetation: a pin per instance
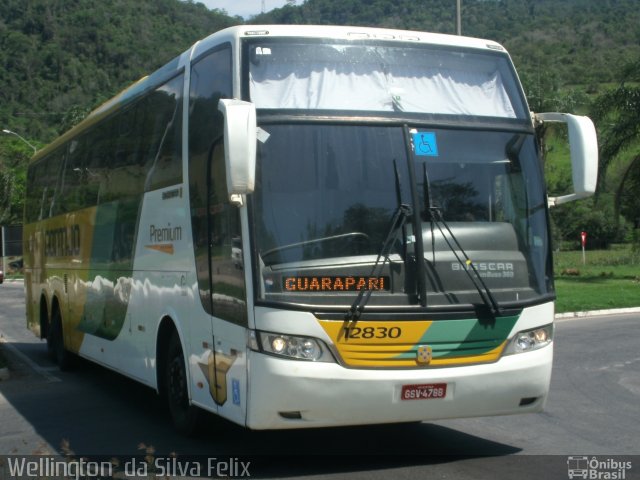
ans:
(608, 279)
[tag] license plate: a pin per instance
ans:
(423, 392)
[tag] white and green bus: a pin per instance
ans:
(305, 226)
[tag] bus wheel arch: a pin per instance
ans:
(173, 378)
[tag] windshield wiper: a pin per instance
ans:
(418, 249)
(436, 217)
(403, 212)
(398, 221)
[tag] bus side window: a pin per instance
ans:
(80, 183)
(51, 181)
(30, 210)
(99, 159)
(35, 193)
(163, 114)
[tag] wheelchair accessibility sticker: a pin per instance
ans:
(425, 144)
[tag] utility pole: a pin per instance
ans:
(264, 7)
(458, 17)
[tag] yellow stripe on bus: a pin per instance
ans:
(392, 344)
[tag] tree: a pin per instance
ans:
(14, 157)
(617, 114)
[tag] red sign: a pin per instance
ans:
(583, 237)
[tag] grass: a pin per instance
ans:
(608, 279)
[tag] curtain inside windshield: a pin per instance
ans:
(382, 79)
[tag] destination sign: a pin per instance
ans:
(334, 283)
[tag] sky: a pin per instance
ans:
(244, 8)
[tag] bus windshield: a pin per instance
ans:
(307, 75)
(355, 132)
(326, 195)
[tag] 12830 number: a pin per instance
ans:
(371, 332)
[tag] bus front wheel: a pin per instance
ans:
(184, 415)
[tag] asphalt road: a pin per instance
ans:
(593, 410)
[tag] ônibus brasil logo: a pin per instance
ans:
(593, 468)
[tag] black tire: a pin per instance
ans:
(185, 416)
(51, 350)
(55, 343)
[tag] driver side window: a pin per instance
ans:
(228, 294)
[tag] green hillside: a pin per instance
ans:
(61, 58)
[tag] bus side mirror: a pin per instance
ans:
(240, 139)
(583, 143)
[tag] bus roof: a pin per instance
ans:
(346, 33)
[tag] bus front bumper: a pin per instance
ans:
(295, 394)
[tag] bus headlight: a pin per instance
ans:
(295, 347)
(529, 340)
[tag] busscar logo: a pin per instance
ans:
(594, 468)
(487, 269)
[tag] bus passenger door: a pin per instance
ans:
(228, 295)
(219, 346)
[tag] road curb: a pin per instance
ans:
(595, 313)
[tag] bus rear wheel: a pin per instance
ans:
(55, 343)
(185, 416)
